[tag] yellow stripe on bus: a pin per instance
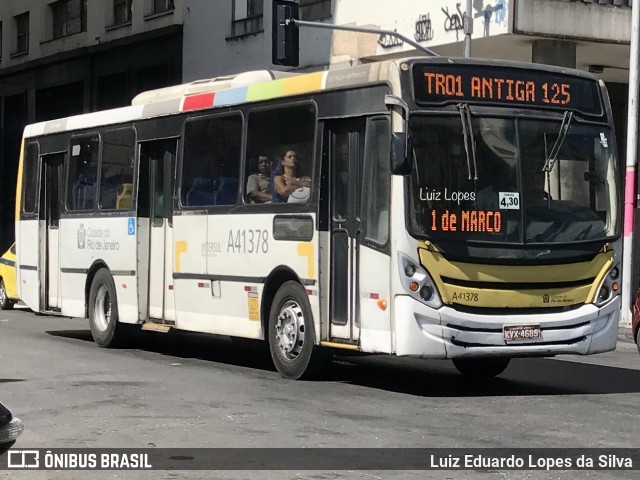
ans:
(302, 84)
(19, 184)
(344, 346)
(306, 250)
(180, 248)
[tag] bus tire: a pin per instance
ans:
(103, 311)
(5, 303)
(481, 367)
(291, 334)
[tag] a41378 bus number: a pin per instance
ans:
(248, 241)
(465, 297)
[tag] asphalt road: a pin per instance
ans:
(182, 390)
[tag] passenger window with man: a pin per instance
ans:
(258, 189)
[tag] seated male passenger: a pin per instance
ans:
(258, 183)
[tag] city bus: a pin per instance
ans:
(451, 209)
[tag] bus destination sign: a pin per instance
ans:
(484, 84)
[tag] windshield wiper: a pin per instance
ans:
(555, 150)
(469, 142)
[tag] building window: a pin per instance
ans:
(22, 33)
(69, 17)
(247, 17)
(313, 10)
(121, 12)
(161, 6)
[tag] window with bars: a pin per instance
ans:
(313, 10)
(69, 17)
(247, 17)
(22, 33)
(121, 12)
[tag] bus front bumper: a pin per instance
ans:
(447, 333)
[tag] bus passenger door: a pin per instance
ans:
(157, 171)
(344, 143)
(50, 194)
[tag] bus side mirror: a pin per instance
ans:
(400, 164)
(284, 33)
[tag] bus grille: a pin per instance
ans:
(518, 285)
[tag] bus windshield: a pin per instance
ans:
(517, 181)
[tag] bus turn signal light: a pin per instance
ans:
(414, 286)
(382, 304)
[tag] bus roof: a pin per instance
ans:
(218, 92)
(249, 87)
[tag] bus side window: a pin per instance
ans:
(211, 161)
(116, 168)
(30, 179)
(83, 170)
(377, 182)
(272, 133)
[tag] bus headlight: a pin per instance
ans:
(609, 288)
(417, 282)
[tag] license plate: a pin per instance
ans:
(521, 332)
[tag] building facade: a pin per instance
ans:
(62, 57)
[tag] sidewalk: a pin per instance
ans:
(625, 335)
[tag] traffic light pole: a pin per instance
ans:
(468, 29)
(377, 31)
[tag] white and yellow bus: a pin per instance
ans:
(456, 209)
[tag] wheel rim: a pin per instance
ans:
(290, 328)
(102, 309)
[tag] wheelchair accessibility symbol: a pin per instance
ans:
(131, 230)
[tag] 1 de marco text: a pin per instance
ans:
(467, 221)
(531, 462)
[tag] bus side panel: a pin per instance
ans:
(189, 270)
(87, 241)
(239, 255)
(249, 249)
(375, 323)
(28, 263)
(143, 268)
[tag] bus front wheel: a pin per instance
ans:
(481, 367)
(103, 311)
(291, 334)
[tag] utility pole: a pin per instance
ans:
(467, 23)
(630, 177)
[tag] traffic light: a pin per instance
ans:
(285, 39)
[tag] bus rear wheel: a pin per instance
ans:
(5, 303)
(291, 334)
(103, 311)
(481, 367)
